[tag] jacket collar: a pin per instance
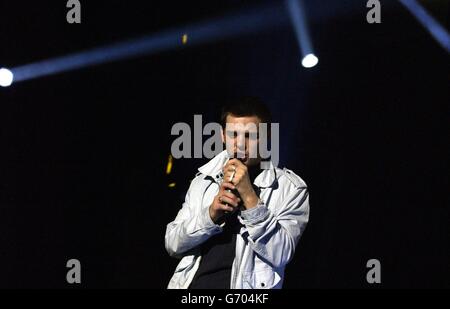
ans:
(214, 169)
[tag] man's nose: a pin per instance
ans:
(240, 144)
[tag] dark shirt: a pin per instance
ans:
(218, 254)
(219, 251)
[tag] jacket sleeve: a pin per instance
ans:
(273, 235)
(192, 225)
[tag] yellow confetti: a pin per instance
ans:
(169, 165)
(184, 39)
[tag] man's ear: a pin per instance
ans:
(222, 135)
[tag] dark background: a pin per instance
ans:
(83, 154)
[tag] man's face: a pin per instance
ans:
(241, 138)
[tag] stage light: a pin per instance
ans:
(212, 30)
(6, 77)
(439, 33)
(297, 14)
(310, 61)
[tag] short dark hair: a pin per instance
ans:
(246, 106)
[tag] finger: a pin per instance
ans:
(238, 176)
(232, 196)
(227, 165)
(230, 169)
(227, 200)
(235, 162)
(235, 181)
(227, 185)
(226, 207)
(229, 176)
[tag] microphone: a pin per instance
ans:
(228, 213)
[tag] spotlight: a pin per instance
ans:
(216, 29)
(310, 61)
(6, 77)
(298, 18)
(439, 32)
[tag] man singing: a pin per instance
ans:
(239, 224)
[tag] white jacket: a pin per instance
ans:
(267, 240)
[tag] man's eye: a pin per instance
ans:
(247, 135)
(252, 137)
